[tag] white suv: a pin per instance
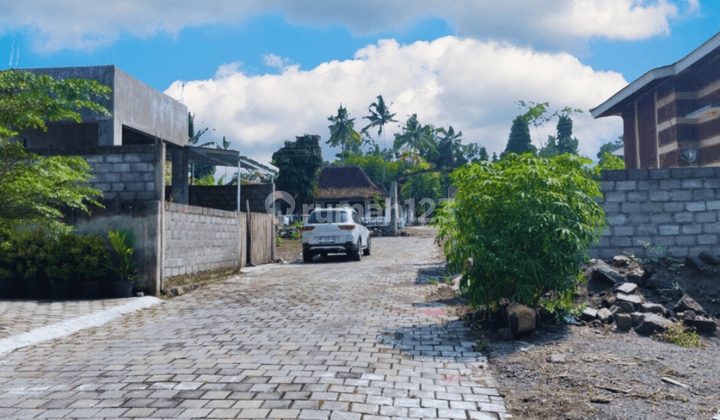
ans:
(329, 231)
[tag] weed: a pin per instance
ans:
(321, 403)
(481, 345)
(680, 335)
(433, 281)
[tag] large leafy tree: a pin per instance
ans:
(34, 188)
(342, 132)
(565, 142)
(299, 163)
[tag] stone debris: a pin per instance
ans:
(627, 288)
(521, 318)
(624, 305)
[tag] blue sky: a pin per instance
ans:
(263, 71)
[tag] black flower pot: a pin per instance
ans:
(7, 289)
(60, 290)
(37, 289)
(89, 289)
(121, 289)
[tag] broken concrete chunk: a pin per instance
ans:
(623, 321)
(698, 266)
(653, 323)
(634, 299)
(627, 288)
(654, 308)
(605, 315)
(615, 309)
(520, 317)
(685, 303)
(637, 318)
(621, 261)
(625, 306)
(588, 314)
(603, 274)
(637, 276)
(702, 324)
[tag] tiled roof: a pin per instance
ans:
(345, 182)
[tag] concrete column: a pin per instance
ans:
(106, 132)
(179, 189)
(159, 170)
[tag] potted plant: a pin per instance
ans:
(123, 243)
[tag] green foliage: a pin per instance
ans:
(299, 163)
(525, 222)
(33, 188)
(421, 187)
(609, 147)
(417, 138)
(29, 100)
(519, 141)
(77, 258)
(610, 162)
(379, 116)
(25, 255)
(342, 132)
(123, 243)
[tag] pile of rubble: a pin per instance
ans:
(623, 303)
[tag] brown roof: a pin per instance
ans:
(345, 182)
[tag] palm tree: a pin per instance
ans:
(342, 130)
(449, 148)
(380, 116)
(416, 137)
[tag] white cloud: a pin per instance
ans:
(88, 24)
(469, 84)
(272, 60)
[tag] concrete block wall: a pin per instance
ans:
(198, 239)
(224, 197)
(125, 173)
(676, 208)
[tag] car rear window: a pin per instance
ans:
(328, 216)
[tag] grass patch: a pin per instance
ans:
(681, 335)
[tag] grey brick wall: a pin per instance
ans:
(198, 239)
(677, 207)
(124, 173)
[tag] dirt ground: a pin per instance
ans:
(566, 371)
(289, 250)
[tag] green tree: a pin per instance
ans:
(299, 163)
(526, 224)
(609, 162)
(519, 141)
(380, 116)
(550, 149)
(609, 147)
(565, 142)
(342, 132)
(34, 188)
(416, 138)
(199, 170)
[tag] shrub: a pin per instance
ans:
(78, 258)
(26, 254)
(525, 223)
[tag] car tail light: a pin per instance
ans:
(307, 228)
(350, 227)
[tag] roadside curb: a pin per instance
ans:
(65, 328)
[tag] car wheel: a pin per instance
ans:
(357, 253)
(323, 254)
(366, 251)
(308, 256)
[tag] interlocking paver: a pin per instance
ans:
(329, 340)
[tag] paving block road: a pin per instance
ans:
(334, 339)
